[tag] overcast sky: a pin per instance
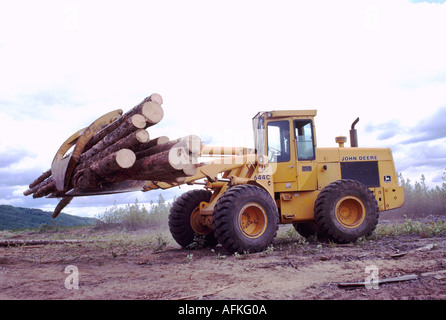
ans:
(216, 64)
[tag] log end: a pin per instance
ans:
(153, 112)
(178, 158)
(139, 121)
(162, 140)
(142, 136)
(190, 169)
(156, 98)
(125, 158)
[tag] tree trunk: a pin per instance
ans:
(111, 127)
(36, 188)
(192, 144)
(61, 205)
(166, 161)
(156, 98)
(150, 143)
(85, 179)
(153, 112)
(135, 138)
(40, 179)
(92, 175)
(190, 169)
(159, 165)
(130, 125)
(46, 189)
(116, 161)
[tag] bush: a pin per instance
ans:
(134, 216)
(46, 228)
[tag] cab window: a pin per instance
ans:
(279, 141)
(304, 139)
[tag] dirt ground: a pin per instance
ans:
(127, 265)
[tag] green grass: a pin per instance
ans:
(412, 227)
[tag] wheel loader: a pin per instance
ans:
(334, 193)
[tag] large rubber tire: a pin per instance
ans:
(245, 219)
(346, 210)
(180, 218)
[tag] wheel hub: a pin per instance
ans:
(198, 223)
(252, 220)
(350, 212)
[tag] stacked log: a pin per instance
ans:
(124, 151)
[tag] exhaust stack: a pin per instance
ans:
(354, 135)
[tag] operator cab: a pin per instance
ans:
(288, 139)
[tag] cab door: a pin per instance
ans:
(282, 154)
(306, 154)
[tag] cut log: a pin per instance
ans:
(130, 125)
(116, 161)
(160, 166)
(135, 138)
(190, 169)
(61, 205)
(157, 98)
(378, 281)
(150, 143)
(85, 179)
(110, 156)
(40, 186)
(142, 136)
(101, 169)
(163, 162)
(153, 112)
(49, 187)
(15, 242)
(191, 143)
(40, 179)
(111, 127)
(33, 189)
(440, 274)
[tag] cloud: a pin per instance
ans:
(10, 156)
(430, 155)
(417, 149)
(385, 130)
(10, 177)
(431, 128)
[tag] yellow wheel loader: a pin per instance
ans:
(334, 193)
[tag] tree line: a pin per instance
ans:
(421, 200)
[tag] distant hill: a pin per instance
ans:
(23, 218)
